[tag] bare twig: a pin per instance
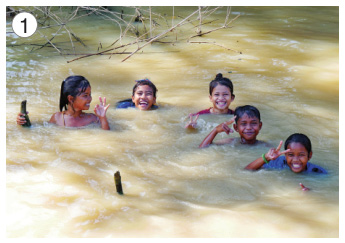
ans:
(160, 35)
(138, 34)
(226, 25)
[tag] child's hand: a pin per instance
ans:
(191, 123)
(273, 153)
(21, 119)
(100, 109)
(224, 127)
(303, 187)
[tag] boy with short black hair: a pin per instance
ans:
(247, 123)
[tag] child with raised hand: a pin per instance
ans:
(221, 95)
(297, 152)
(143, 96)
(247, 123)
(76, 97)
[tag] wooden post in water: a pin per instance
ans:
(117, 178)
(23, 110)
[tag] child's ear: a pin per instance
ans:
(70, 99)
(210, 98)
(133, 98)
(235, 127)
(260, 125)
(232, 98)
(154, 100)
(310, 154)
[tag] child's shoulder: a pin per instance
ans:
(315, 168)
(202, 112)
(56, 117)
(124, 104)
(208, 111)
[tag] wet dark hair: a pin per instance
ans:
(74, 86)
(222, 81)
(299, 138)
(145, 82)
(251, 111)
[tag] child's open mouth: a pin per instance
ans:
(221, 103)
(143, 103)
(296, 166)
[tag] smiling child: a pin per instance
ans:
(297, 152)
(247, 123)
(75, 97)
(143, 96)
(221, 95)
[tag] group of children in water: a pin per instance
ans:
(75, 98)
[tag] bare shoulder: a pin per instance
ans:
(55, 117)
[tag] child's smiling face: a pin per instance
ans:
(143, 97)
(221, 97)
(83, 100)
(248, 128)
(298, 157)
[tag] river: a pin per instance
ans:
(60, 181)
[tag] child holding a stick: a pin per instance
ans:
(76, 97)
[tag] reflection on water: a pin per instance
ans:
(60, 181)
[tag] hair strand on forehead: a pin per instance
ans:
(145, 82)
(251, 111)
(299, 138)
(74, 86)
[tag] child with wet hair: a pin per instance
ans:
(221, 95)
(247, 123)
(298, 152)
(143, 96)
(75, 97)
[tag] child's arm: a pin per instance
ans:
(192, 124)
(101, 111)
(272, 154)
(223, 127)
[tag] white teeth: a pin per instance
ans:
(221, 103)
(296, 166)
(143, 102)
